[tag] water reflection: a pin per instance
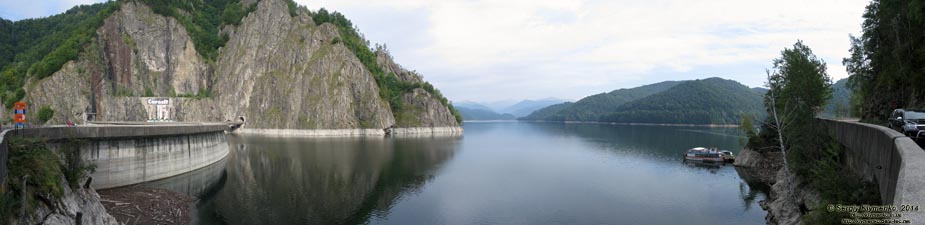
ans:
(660, 142)
(322, 180)
(197, 183)
(499, 173)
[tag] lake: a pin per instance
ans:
(496, 173)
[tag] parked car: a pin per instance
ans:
(909, 122)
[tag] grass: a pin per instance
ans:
(43, 169)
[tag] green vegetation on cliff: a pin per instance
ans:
(39, 47)
(799, 88)
(707, 101)
(45, 114)
(886, 61)
(204, 20)
(390, 87)
(42, 169)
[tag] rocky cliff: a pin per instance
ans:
(790, 197)
(277, 70)
(75, 206)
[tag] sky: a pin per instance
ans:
(502, 50)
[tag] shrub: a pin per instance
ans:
(74, 168)
(45, 113)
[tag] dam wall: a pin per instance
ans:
(132, 153)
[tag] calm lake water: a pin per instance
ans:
(497, 173)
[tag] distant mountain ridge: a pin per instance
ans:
(525, 107)
(503, 110)
(705, 101)
(470, 114)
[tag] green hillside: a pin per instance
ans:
(40, 47)
(839, 105)
(707, 101)
(591, 107)
(548, 113)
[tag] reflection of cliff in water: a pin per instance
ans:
(322, 180)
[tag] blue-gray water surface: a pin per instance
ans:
(497, 173)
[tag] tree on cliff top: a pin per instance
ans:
(798, 87)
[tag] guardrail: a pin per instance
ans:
(895, 161)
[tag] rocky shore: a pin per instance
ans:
(789, 198)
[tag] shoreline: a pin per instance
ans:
(398, 131)
(636, 124)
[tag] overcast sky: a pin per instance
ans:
(492, 50)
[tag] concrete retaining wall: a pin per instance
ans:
(126, 154)
(124, 162)
(893, 160)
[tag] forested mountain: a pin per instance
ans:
(482, 114)
(760, 90)
(591, 107)
(216, 60)
(840, 104)
(41, 46)
(707, 101)
(549, 112)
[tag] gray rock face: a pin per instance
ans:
(277, 71)
(788, 193)
(788, 196)
(64, 210)
(150, 53)
(284, 72)
(420, 109)
(389, 66)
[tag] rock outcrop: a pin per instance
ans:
(80, 206)
(285, 72)
(276, 71)
(421, 109)
(789, 198)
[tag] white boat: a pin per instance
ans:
(704, 155)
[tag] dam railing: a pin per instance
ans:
(894, 161)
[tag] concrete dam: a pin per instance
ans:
(132, 153)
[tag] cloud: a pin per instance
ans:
(17, 10)
(477, 49)
(494, 50)
(488, 48)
